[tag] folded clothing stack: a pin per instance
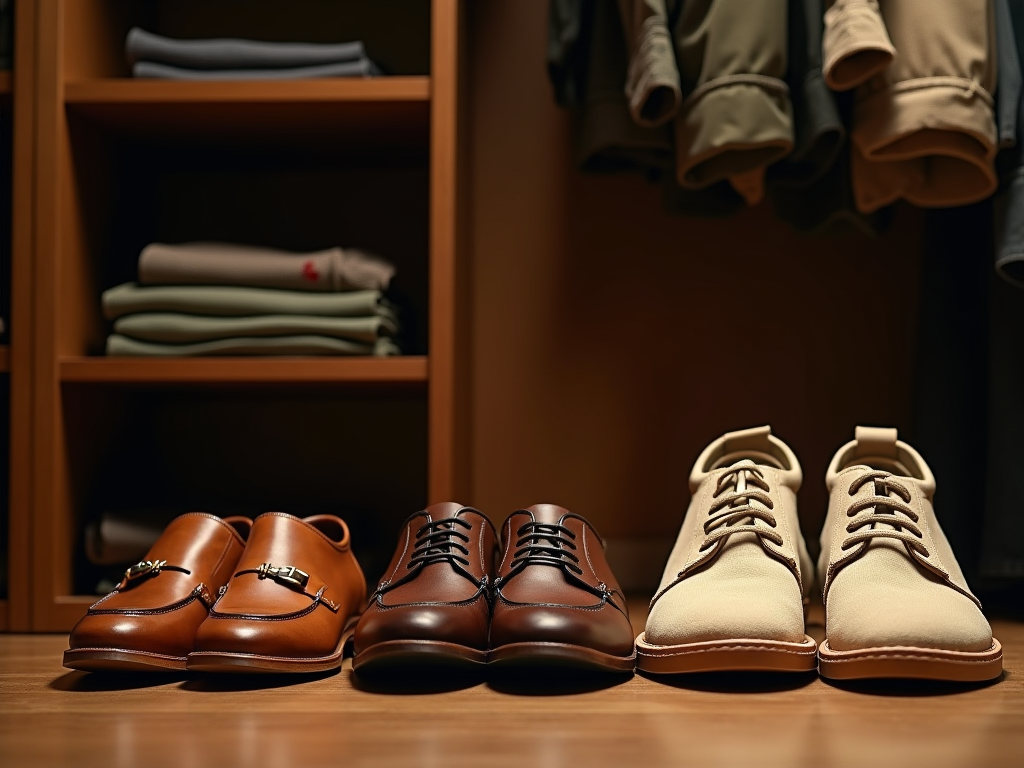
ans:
(223, 299)
(154, 56)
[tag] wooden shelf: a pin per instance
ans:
(382, 110)
(5, 358)
(5, 81)
(410, 370)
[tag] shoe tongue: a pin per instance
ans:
(547, 513)
(444, 509)
(750, 457)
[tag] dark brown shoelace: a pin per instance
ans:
(439, 542)
(545, 544)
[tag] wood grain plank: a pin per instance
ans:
(53, 716)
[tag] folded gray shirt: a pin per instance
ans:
(154, 71)
(230, 53)
(178, 328)
(226, 301)
(240, 265)
(118, 345)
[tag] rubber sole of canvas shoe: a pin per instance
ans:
(727, 656)
(912, 663)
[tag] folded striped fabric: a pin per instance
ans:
(118, 345)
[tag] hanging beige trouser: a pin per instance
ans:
(856, 45)
(924, 129)
(736, 118)
(652, 80)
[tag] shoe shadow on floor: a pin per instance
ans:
(90, 682)
(413, 681)
(736, 682)
(212, 682)
(912, 688)
(552, 681)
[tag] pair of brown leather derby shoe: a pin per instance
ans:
(229, 595)
(454, 595)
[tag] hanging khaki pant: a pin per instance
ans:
(736, 118)
(924, 129)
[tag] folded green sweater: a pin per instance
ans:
(130, 298)
(177, 328)
(118, 345)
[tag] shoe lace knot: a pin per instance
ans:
(439, 541)
(741, 499)
(885, 513)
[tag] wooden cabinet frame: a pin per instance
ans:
(58, 258)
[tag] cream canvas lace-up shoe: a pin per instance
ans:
(896, 603)
(732, 595)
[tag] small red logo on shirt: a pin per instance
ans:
(309, 271)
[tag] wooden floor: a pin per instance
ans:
(51, 716)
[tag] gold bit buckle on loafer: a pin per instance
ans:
(144, 568)
(284, 574)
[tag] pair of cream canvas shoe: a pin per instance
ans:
(734, 591)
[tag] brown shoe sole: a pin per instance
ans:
(559, 654)
(727, 656)
(909, 662)
(409, 653)
(242, 663)
(121, 660)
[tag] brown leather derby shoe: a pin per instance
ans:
(149, 621)
(433, 604)
(556, 600)
(291, 604)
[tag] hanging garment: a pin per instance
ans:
(131, 298)
(176, 328)
(609, 140)
(818, 131)
(118, 345)
(736, 118)
(568, 48)
(652, 80)
(969, 403)
(229, 264)
(924, 130)
(856, 45)
(1009, 204)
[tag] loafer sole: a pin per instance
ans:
(910, 662)
(727, 656)
(121, 660)
(415, 653)
(244, 663)
(561, 655)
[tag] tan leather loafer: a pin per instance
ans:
(291, 604)
(896, 602)
(433, 606)
(556, 601)
(149, 621)
(732, 595)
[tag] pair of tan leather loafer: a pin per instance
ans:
(229, 595)
(454, 595)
